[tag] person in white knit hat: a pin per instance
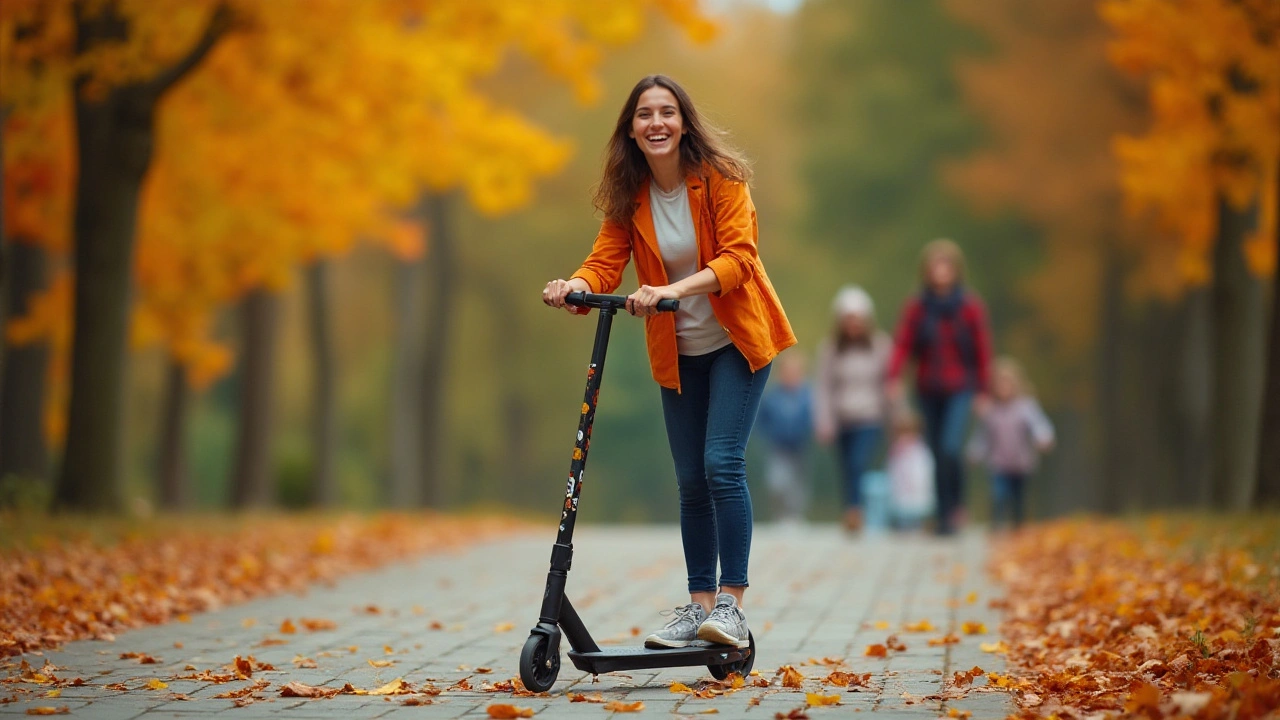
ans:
(849, 399)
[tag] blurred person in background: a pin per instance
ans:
(945, 332)
(910, 467)
(675, 197)
(849, 392)
(786, 423)
(1012, 432)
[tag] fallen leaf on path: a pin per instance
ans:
(592, 698)
(463, 684)
(417, 701)
(797, 714)
(157, 684)
(484, 670)
(303, 662)
(816, 699)
(973, 628)
(45, 710)
(381, 663)
(921, 627)
(966, 677)
(624, 707)
(503, 627)
(507, 712)
(790, 676)
(847, 679)
(999, 648)
(395, 687)
(317, 624)
(287, 627)
(876, 650)
(297, 689)
(142, 658)
(679, 687)
(948, 639)
(893, 643)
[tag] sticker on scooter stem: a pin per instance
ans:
(568, 492)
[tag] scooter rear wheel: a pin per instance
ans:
(742, 667)
(538, 666)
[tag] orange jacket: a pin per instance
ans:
(725, 222)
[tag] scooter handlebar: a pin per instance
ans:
(592, 300)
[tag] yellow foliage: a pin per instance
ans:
(307, 127)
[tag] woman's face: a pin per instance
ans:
(942, 274)
(854, 326)
(657, 125)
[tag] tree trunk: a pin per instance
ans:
(253, 485)
(441, 276)
(1195, 400)
(1238, 347)
(115, 132)
(1267, 492)
(174, 493)
(1110, 385)
(22, 443)
(324, 429)
(408, 287)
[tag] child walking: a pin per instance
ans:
(910, 468)
(1012, 432)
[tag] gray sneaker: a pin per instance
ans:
(680, 630)
(726, 625)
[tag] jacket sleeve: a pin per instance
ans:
(902, 340)
(1038, 422)
(735, 234)
(609, 257)
(824, 414)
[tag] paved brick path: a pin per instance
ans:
(815, 594)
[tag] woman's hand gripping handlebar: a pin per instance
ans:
(592, 300)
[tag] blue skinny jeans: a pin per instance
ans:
(708, 424)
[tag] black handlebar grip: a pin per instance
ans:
(592, 300)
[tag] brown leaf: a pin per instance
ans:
(316, 624)
(592, 698)
(847, 679)
(797, 714)
(297, 689)
(876, 650)
(417, 701)
(46, 710)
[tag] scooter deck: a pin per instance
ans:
(637, 658)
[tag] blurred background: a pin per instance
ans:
(290, 253)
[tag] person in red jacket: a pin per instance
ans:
(945, 331)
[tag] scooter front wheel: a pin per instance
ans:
(742, 667)
(539, 664)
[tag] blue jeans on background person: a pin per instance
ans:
(1007, 494)
(708, 424)
(946, 420)
(857, 444)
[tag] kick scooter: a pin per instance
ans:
(540, 658)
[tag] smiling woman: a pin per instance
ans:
(675, 198)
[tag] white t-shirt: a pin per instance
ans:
(697, 330)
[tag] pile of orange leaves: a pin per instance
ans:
(1171, 618)
(56, 587)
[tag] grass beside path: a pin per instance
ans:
(67, 578)
(1171, 616)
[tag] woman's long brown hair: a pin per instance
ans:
(625, 167)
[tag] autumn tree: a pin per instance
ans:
(1052, 101)
(1208, 168)
(366, 107)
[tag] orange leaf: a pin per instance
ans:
(624, 707)
(877, 650)
(297, 689)
(287, 627)
(45, 710)
(506, 712)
